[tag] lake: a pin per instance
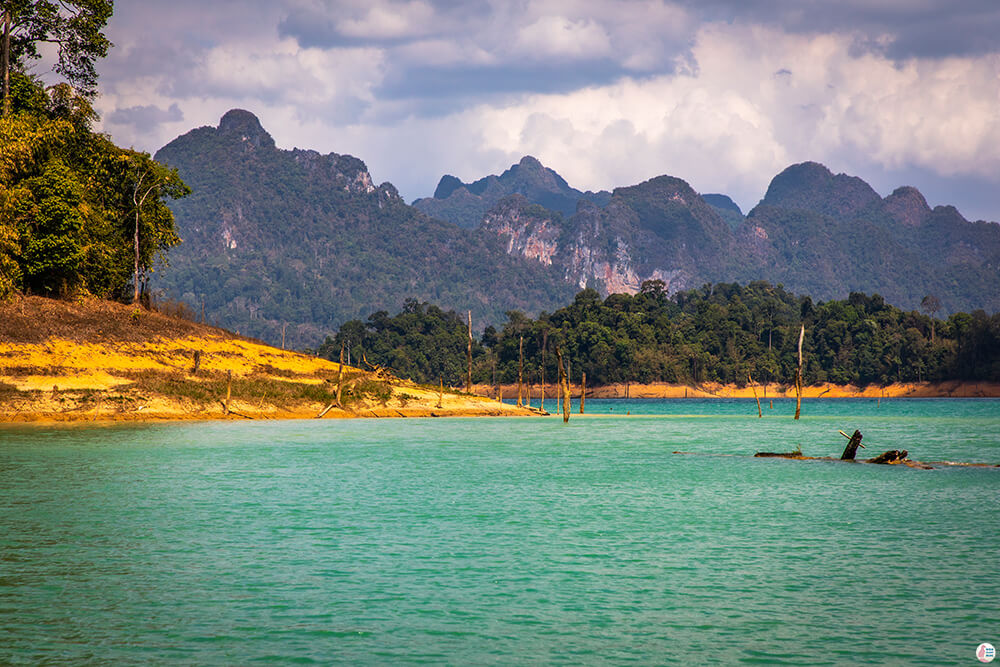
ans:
(499, 541)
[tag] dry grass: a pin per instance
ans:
(34, 319)
(112, 361)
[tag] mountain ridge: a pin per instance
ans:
(295, 241)
(466, 203)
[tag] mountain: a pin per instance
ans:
(661, 229)
(294, 242)
(727, 209)
(466, 203)
(297, 241)
(827, 235)
(815, 232)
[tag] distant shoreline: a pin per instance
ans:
(947, 389)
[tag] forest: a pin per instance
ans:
(723, 333)
(78, 214)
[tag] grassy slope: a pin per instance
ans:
(91, 359)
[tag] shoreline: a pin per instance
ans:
(71, 406)
(654, 390)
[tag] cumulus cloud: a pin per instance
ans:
(724, 93)
(760, 100)
(146, 117)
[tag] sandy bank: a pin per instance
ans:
(93, 360)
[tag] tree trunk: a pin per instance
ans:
(520, 373)
(583, 391)
(135, 294)
(468, 377)
(563, 385)
(340, 378)
(545, 343)
(852, 446)
(229, 389)
(6, 63)
(798, 375)
(754, 387)
(440, 391)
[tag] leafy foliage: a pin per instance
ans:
(815, 232)
(717, 333)
(75, 27)
(68, 214)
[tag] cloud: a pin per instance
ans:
(760, 100)
(719, 92)
(560, 37)
(899, 29)
(146, 117)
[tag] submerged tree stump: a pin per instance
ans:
(891, 457)
(852, 446)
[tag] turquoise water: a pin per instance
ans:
(499, 541)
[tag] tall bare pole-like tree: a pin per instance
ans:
(798, 375)
(138, 201)
(340, 378)
(468, 377)
(563, 385)
(6, 62)
(545, 343)
(520, 372)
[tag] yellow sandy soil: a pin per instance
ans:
(953, 389)
(64, 380)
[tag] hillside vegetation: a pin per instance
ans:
(719, 333)
(295, 240)
(815, 232)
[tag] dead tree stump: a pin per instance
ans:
(852, 447)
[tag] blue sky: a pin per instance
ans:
(722, 93)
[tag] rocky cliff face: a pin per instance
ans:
(636, 237)
(815, 232)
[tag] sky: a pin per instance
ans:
(722, 93)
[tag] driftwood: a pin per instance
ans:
(377, 371)
(890, 457)
(797, 454)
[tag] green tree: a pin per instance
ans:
(75, 27)
(71, 201)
